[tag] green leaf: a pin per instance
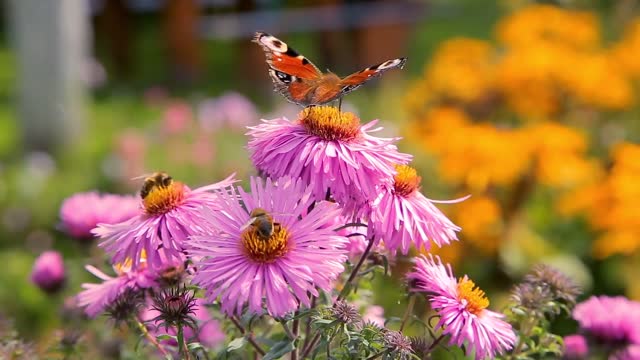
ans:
(236, 344)
(279, 349)
(166, 337)
(195, 346)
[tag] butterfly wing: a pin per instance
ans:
(292, 74)
(356, 80)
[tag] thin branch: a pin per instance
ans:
(408, 311)
(150, 337)
(355, 270)
(287, 330)
(296, 330)
(307, 330)
(248, 335)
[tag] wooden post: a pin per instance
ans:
(50, 41)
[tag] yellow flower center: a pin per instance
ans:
(162, 199)
(265, 250)
(125, 266)
(474, 297)
(406, 181)
(329, 123)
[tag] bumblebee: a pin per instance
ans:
(157, 179)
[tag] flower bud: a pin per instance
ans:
(48, 271)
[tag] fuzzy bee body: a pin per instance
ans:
(262, 222)
(157, 179)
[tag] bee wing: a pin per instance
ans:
(248, 223)
(144, 176)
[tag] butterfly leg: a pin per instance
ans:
(340, 104)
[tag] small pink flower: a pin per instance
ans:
(611, 320)
(172, 213)
(462, 308)
(82, 212)
(231, 109)
(177, 118)
(96, 298)
(402, 216)
(575, 347)
(48, 271)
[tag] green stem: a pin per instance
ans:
(343, 293)
(150, 337)
(182, 345)
(527, 325)
(408, 311)
(435, 343)
(296, 332)
(354, 272)
(375, 356)
(249, 336)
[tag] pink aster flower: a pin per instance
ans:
(171, 214)
(462, 308)
(330, 151)
(81, 212)
(48, 271)
(631, 352)
(611, 320)
(248, 262)
(231, 109)
(575, 347)
(208, 332)
(96, 298)
(402, 216)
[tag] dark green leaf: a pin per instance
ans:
(279, 349)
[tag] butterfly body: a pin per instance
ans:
(298, 80)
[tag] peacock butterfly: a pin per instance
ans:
(302, 83)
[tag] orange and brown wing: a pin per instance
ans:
(356, 80)
(292, 74)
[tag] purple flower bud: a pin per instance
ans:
(48, 271)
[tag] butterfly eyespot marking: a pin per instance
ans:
(283, 77)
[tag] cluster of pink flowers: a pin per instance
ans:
(274, 248)
(610, 322)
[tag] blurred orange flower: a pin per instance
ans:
(611, 205)
(547, 23)
(480, 217)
